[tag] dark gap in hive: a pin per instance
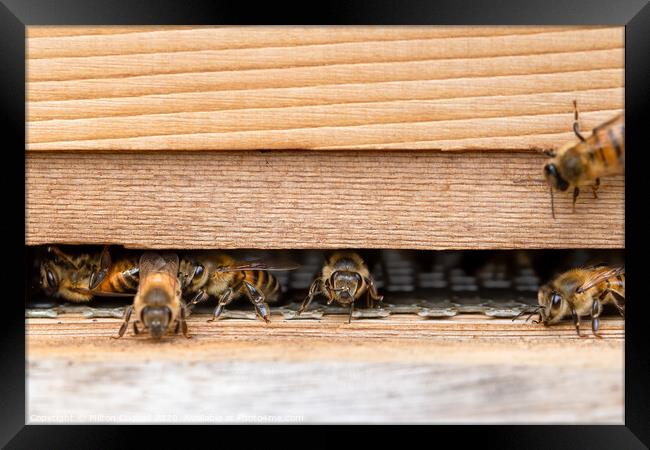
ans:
(432, 284)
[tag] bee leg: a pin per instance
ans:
(576, 124)
(594, 188)
(620, 309)
(576, 192)
(62, 256)
(372, 290)
(595, 321)
(224, 300)
(576, 320)
(314, 289)
(183, 323)
(259, 301)
(198, 298)
(177, 327)
(132, 274)
(619, 302)
(125, 324)
(136, 330)
(263, 311)
(104, 265)
(351, 311)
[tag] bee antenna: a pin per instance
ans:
(532, 310)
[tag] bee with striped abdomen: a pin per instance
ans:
(221, 276)
(580, 292)
(70, 276)
(584, 163)
(120, 276)
(344, 278)
(158, 304)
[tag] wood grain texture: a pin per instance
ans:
(403, 369)
(208, 88)
(285, 199)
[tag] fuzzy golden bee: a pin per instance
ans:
(581, 292)
(584, 163)
(220, 276)
(68, 276)
(344, 278)
(158, 304)
(78, 278)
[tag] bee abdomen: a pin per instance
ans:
(608, 146)
(273, 287)
(119, 284)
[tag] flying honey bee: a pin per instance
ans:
(584, 163)
(344, 278)
(221, 276)
(157, 304)
(580, 292)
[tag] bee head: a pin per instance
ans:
(192, 274)
(59, 281)
(553, 304)
(156, 319)
(554, 178)
(343, 286)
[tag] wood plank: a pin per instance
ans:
(333, 328)
(466, 369)
(56, 41)
(210, 88)
(285, 199)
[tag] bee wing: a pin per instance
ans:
(151, 262)
(257, 264)
(599, 276)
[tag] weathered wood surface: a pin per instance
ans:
(468, 369)
(417, 200)
(449, 88)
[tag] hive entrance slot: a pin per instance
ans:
(427, 284)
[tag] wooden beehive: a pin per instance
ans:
(157, 137)
(327, 137)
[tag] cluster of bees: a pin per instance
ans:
(164, 285)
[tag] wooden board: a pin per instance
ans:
(206, 88)
(284, 199)
(467, 369)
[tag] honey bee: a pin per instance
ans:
(78, 278)
(223, 277)
(584, 163)
(344, 278)
(68, 276)
(157, 304)
(120, 276)
(580, 292)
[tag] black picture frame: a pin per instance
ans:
(15, 15)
